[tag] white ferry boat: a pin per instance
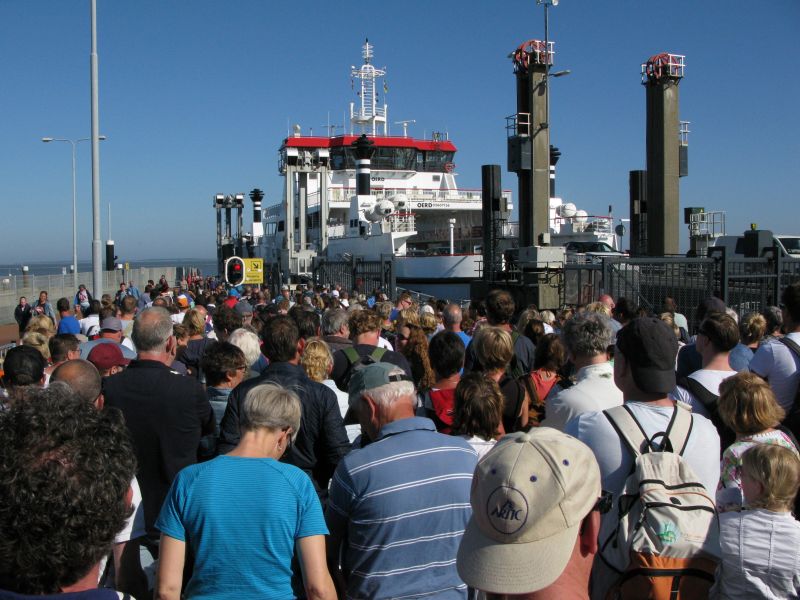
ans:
(392, 195)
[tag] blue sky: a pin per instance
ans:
(195, 96)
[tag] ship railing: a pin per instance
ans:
(415, 194)
(588, 223)
(402, 222)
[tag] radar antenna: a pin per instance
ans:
(369, 118)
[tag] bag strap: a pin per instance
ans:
(376, 354)
(791, 344)
(628, 428)
(704, 395)
(675, 438)
(679, 428)
(352, 355)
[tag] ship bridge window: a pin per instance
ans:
(281, 225)
(342, 158)
(394, 159)
(435, 160)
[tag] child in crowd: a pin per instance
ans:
(761, 545)
(748, 407)
(478, 410)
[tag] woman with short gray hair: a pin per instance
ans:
(243, 513)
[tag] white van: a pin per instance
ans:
(788, 245)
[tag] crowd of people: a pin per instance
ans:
(204, 442)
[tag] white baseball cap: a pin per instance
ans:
(529, 496)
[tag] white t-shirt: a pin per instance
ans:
(594, 390)
(709, 379)
(616, 461)
(760, 555)
(384, 343)
(353, 431)
(88, 323)
(480, 445)
(780, 367)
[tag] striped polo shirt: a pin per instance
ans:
(404, 502)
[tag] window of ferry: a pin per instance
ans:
(393, 158)
(435, 160)
(792, 244)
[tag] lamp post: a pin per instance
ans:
(74, 144)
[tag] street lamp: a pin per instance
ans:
(74, 144)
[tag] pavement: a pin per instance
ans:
(8, 333)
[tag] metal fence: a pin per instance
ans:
(356, 274)
(12, 287)
(744, 284)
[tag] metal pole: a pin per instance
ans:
(97, 257)
(546, 64)
(74, 223)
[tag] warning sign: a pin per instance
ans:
(253, 270)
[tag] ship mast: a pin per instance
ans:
(369, 118)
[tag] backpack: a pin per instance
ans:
(514, 368)
(711, 403)
(356, 361)
(439, 407)
(661, 537)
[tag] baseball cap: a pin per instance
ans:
(234, 292)
(111, 324)
(335, 293)
(105, 356)
(371, 377)
(23, 365)
(529, 496)
(183, 301)
(243, 308)
(650, 348)
(284, 287)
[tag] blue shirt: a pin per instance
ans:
(404, 502)
(241, 517)
(68, 324)
(464, 338)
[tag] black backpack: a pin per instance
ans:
(711, 402)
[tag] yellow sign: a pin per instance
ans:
(253, 270)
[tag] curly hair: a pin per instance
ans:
(364, 321)
(41, 324)
(65, 470)
(316, 360)
(416, 352)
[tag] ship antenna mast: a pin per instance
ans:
(369, 118)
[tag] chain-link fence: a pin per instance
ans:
(12, 287)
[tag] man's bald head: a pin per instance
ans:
(82, 377)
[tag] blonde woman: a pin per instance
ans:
(748, 407)
(317, 362)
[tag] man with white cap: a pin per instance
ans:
(535, 502)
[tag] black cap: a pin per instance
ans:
(650, 348)
(23, 365)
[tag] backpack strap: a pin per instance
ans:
(705, 396)
(376, 354)
(352, 355)
(679, 428)
(791, 344)
(628, 428)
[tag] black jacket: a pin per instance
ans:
(167, 414)
(322, 440)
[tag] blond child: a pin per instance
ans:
(761, 545)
